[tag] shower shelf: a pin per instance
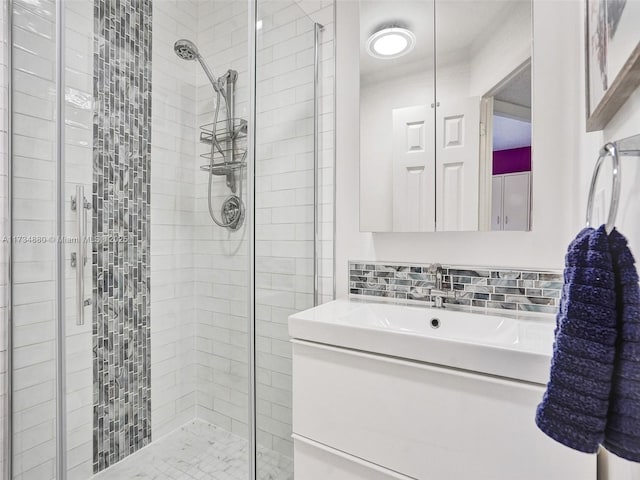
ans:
(223, 168)
(224, 159)
(229, 152)
(220, 130)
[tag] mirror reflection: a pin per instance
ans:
(445, 115)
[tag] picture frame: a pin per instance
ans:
(612, 57)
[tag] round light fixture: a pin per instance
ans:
(392, 42)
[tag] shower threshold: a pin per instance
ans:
(199, 450)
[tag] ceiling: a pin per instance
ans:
(510, 133)
(460, 24)
(518, 89)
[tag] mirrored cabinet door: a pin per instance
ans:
(483, 114)
(445, 112)
(397, 112)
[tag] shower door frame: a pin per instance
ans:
(251, 197)
(251, 224)
(7, 433)
(61, 337)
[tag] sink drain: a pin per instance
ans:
(435, 323)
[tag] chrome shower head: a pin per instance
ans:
(186, 49)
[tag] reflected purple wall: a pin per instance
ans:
(512, 160)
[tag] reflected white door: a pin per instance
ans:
(457, 164)
(413, 170)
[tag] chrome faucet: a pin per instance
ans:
(438, 294)
(438, 268)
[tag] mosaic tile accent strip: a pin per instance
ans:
(484, 287)
(121, 213)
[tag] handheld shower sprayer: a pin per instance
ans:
(226, 157)
(187, 50)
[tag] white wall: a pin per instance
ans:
(624, 124)
(502, 50)
(556, 68)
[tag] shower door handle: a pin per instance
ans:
(79, 257)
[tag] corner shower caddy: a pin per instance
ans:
(227, 156)
(228, 146)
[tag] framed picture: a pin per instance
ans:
(612, 48)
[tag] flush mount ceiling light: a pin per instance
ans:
(391, 42)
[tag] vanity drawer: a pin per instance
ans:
(425, 421)
(319, 462)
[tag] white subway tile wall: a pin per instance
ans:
(219, 255)
(173, 167)
(285, 196)
(284, 205)
(33, 214)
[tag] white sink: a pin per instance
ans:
(512, 347)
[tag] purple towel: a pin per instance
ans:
(572, 411)
(622, 436)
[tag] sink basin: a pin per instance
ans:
(513, 347)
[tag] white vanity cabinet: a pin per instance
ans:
(366, 416)
(510, 201)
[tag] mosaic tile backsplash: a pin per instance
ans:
(121, 213)
(484, 287)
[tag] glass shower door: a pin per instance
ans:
(80, 243)
(130, 306)
(34, 172)
(287, 214)
(52, 161)
(132, 323)
(161, 355)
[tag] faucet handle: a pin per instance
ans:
(434, 268)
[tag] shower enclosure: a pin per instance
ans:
(167, 194)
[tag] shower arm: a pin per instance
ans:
(216, 82)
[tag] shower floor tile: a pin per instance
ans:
(199, 451)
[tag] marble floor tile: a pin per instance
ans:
(201, 451)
